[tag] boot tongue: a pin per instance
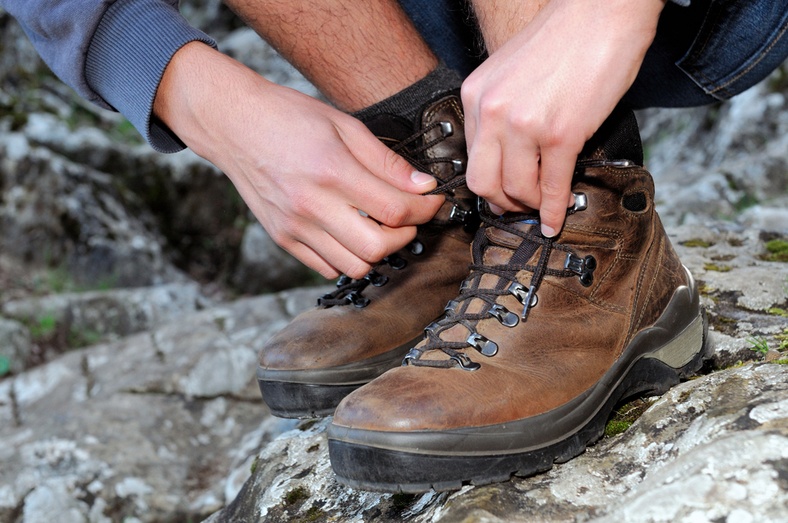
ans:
(505, 247)
(504, 238)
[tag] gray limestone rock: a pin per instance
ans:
(720, 160)
(157, 426)
(89, 317)
(79, 191)
(15, 346)
(264, 266)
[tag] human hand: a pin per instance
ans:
(304, 169)
(532, 105)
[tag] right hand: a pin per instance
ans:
(304, 168)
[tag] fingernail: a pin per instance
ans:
(495, 209)
(420, 178)
(548, 231)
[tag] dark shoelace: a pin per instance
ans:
(507, 284)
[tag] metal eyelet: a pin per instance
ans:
(357, 300)
(583, 267)
(376, 279)
(504, 315)
(413, 355)
(464, 362)
(416, 248)
(396, 262)
(431, 328)
(447, 129)
(482, 344)
(451, 306)
(522, 295)
(581, 203)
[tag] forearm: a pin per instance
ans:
(112, 53)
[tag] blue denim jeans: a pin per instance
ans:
(709, 51)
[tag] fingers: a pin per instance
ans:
(485, 175)
(555, 186)
(393, 195)
(384, 163)
(512, 175)
(367, 240)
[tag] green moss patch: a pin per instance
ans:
(777, 311)
(777, 250)
(717, 268)
(625, 416)
(697, 242)
(295, 496)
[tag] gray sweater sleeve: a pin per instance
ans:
(112, 53)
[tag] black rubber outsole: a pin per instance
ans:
(303, 400)
(398, 471)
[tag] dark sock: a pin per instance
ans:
(409, 102)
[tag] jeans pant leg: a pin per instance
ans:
(448, 28)
(704, 53)
(711, 51)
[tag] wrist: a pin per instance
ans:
(195, 94)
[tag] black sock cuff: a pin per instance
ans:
(409, 102)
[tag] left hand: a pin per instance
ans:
(532, 105)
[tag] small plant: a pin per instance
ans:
(5, 365)
(43, 327)
(313, 514)
(625, 416)
(84, 338)
(782, 339)
(616, 427)
(759, 344)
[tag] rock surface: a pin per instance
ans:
(146, 427)
(713, 449)
(168, 424)
(79, 192)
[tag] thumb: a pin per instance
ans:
(397, 171)
(386, 164)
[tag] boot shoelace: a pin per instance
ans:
(349, 290)
(456, 310)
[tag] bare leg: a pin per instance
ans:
(499, 20)
(356, 53)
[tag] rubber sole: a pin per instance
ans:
(384, 467)
(315, 393)
(303, 400)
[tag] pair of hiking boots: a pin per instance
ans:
(481, 352)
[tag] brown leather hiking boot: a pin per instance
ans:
(366, 326)
(546, 337)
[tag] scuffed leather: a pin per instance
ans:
(571, 337)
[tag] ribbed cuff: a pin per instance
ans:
(132, 46)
